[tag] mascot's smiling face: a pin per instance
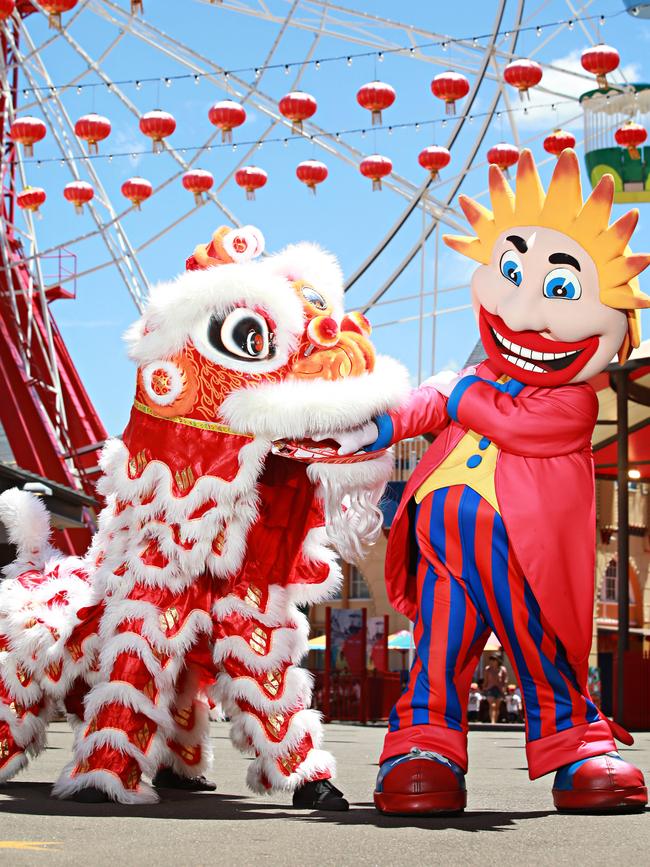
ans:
(556, 293)
(540, 315)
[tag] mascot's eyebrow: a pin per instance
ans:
(519, 243)
(563, 259)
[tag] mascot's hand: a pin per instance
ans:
(353, 440)
(446, 381)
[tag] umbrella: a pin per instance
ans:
(402, 640)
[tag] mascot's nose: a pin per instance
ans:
(323, 332)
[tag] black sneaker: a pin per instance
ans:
(319, 795)
(166, 778)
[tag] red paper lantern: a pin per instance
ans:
(599, 60)
(27, 131)
(450, 86)
(311, 172)
(79, 193)
(31, 198)
(251, 178)
(198, 181)
(227, 114)
(157, 125)
(375, 167)
(296, 107)
(375, 97)
(93, 128)
(137, 190)
(6, 9)
(434, 158)
(503, 155)
(523, 74)
(630, 136)
(55, 8)
(558, 141)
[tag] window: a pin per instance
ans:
(358, 586)
(610, 584)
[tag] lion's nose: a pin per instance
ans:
(323, 332)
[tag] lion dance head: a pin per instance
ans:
(262, 348)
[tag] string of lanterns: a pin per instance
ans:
(55, 8)
(298, 106)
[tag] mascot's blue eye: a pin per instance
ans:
(511, 267)
(562, 283)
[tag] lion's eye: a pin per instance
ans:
(313, 297)
(242, 334)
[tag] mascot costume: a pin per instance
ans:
(496, 529)
(218, 513)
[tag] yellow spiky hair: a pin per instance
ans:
(562, 209)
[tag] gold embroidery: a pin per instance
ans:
(169, 619)
(193, 422)
(53, 670)
(290, 763)
(132, 779)
(274, 724)
(184, 479)
(273, 682)
(258, 641)
(191, 754)
(142, 737)
(150, 690)
(253, 597)
(4, 749)
(182, 717)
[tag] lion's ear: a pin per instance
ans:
(167, 386)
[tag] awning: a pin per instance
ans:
(604, 438)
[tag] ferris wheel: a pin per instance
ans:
(480, 87)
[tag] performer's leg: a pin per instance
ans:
(562, 723)
(259, 639)
(189, 753)
(145, 636)
(449, 635)
(24, 714)
(564, 729)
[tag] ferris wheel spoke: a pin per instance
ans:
(77, 79)
(401, 221)
(62, 129)
(397, 272)
(171, 151)
(261, 101)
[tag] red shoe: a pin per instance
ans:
(420, 783)
(600, 784)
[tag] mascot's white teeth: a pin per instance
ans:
(523, 357)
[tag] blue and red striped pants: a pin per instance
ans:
(470, 583)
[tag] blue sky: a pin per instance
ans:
(346, 216)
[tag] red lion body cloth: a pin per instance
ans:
(211, 537)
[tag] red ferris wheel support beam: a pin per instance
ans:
(50, 422)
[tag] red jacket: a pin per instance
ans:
(544, 482)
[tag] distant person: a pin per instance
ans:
(513, 704)
(495, 678)
(473, 702)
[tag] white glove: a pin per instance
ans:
(445, 381)
(351, 441)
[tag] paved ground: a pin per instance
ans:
(509, 819)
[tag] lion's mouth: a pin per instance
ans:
(352, 355)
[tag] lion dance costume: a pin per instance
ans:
(215, 530)
(496, 529)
